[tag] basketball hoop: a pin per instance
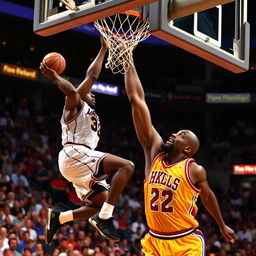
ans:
(122, 32)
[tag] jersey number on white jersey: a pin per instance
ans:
(95, 126)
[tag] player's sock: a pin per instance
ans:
(66, 216)
(106, 211)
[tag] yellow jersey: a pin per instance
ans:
(170, 199)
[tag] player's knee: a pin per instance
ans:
(129, 167)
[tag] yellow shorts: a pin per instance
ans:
(189, 245)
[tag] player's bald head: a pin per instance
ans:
(192, 141)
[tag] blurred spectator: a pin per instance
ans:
(40, 224)
(1, 246)
(75, 253)
(4, 236)
(235, 214)
(72, 239)
(39, 251)
(6, 120)
(123, 223)
(23, 110)
(73, 200)
(59, 187)
(137, 235)
(18, 175)
(98, 251)
(10, 199)
(28, 227)
(62, 245)
(244, 233)
(30, 245)
(8, 252)
(17, 207)
(13, 244)
(69, 250)
(138, 223)
(39, 177)
(27, 252)
(8, 165)
(125, 246)
(4, 177)
(118, 251)
(134, 202)
(87, 251)
(25, 238)
(2, 202)
(215, 244)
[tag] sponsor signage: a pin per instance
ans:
(228, 98)
(244, 169)
(184, 97)
(104, 88)
(157, 95)
(18, 71)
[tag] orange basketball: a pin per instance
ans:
(55, 61)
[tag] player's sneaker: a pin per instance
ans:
(105, 227)
(52, 225)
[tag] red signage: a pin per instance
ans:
(244, 169)
(13, 70)
(184, 97)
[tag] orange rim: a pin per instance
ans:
(116, 34)
(133, 13)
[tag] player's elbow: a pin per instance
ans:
(134, 98)
(71, 92)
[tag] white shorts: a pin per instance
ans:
(79, 165)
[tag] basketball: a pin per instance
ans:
(55, 61)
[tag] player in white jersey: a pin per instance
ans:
(80, 163)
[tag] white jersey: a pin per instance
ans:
(83, 129)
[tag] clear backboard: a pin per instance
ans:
(54, 16)
(217, 33)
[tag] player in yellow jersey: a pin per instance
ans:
(173, 182)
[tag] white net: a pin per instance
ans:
(122, 32)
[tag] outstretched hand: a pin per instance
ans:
(228, 234)
(104, 43)
(134, 47)
(46, 71)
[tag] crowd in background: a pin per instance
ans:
(30, 182)
(234, 143)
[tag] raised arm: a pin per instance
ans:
(198, 177)
(72, 97)
(147, 135)
(93, 71)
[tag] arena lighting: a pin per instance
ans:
(32, 48)
(16, 10)
(244, 169)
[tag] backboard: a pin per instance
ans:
(54, 16)
(217, 33)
